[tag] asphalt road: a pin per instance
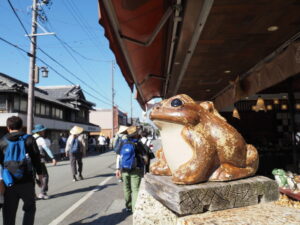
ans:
(98, 199)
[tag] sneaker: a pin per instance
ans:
(81, 177)
(74, 179)
(128, 210)
(43, 196)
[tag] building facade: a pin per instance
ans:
(103, 118)
(58, 108)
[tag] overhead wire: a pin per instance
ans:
(70, 72)
(52, 68)
(74, 14)
(55, 61)
(79, 64)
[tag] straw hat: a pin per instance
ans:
(76, 130)
(122, 129)
(132, 130)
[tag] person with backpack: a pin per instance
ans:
(19, 156)
(131, 158)
(39, 135)
(75, 149)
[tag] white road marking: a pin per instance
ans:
(78, 203)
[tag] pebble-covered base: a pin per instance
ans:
(149, 212)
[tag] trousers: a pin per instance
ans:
(12, 195)
(44, 187)
(132, 180)
(76, 160)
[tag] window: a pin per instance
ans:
(17, 103)
(61, 114)
(81, 114)
(37, 108)
(72, 116)
(57, 113)
(3, 107)
(47, 110)
(43, 109)
(23, 105)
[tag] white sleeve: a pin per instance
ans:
(118, 162)
(69, 143)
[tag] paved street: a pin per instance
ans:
(98, 199)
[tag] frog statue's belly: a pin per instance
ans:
(176, 150)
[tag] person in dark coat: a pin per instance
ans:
(23, 188)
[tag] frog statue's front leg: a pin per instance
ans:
(202, 163)
(160, 167)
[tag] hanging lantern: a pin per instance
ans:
(297, 106)
(284, 107)
(276, 101)
(260, 104)
(269, 107)
(235, 113)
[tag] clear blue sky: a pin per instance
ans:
(75, 22)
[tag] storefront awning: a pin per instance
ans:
(203, 48)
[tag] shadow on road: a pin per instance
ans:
(101, 175)
(111, 219)
(85, 189)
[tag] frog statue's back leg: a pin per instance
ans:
(228, 171)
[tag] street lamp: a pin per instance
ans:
(44, 71)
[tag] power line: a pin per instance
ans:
(48, 54)
(58, 73)
(64, 44)
(71, 7)
(55, 59)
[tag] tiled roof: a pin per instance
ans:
(50, 93)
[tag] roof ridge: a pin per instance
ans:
(58, 86)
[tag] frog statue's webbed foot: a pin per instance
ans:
(160, 167)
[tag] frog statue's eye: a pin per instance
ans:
(176, 102)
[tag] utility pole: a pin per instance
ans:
(112, 98)
(30, 103)
(131, 108)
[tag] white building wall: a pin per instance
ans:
(102, 118)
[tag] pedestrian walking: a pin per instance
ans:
(92, 144)
(107, 142)
(102, 143)
(131, 158)
(43, 145)
(62, 145)
(147, 145)
(19, 185)
(75, 149)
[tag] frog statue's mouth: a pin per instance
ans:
(183, 114)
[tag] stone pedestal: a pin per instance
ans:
(211, 196)
(149, 211)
